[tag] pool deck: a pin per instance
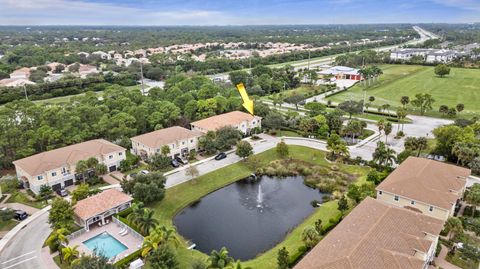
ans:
(131, 242)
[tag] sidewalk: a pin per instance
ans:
(441, 262)
(47, 258)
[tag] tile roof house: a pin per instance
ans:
(428, 186)
(15, 82)
(181, 141)
(56, 168)
(21, 73)
(377, 235)
(242, 121)
(342, 72)
(100, 206)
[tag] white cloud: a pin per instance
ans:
(45, 12)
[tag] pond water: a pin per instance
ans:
(247, 217)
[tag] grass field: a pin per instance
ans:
(461, 86)
(182, 195)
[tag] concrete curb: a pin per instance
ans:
(11, 234)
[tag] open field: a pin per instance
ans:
(182, 195)
(461, 86)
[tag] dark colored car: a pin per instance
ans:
(175, 163)
(220, 156)
(62, 192)
(180, 161)
(20, 215)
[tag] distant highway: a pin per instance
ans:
(424, 36)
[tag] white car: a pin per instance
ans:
(144, 172)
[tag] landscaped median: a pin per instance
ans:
(181, 196)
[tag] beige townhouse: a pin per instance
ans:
(180, 141)
(242, 121)
(377, 235)
(56, 168)
(427, 186)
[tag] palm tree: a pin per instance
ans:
(401, 114)
(387, 130)
(146, 221)
(82, 168)
(70, 254)
(404, 100)
(137, 212)
(381, 126)
(473, 197)
(220, 259)
(384, 155)
(454, 226)
(159, 236)
(57, 238)
(390, 156)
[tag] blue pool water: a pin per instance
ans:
(106, 245)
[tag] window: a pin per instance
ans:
(430, 209)
(40, 177)
(380, 192)
(191, 140)
(54, 174)
(183, 142)
(158, 150)
(396, 198)
(173, 146)
(110, 157)
(412, 202)
(120, 153)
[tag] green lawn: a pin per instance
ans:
(22, 198)
(182, 195)
(7, 225)
(288, 133)
(461, 86)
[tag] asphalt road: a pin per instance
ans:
(24, 252)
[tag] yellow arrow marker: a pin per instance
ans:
(247, 102)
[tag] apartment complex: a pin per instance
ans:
(179, 140)
(244, 122)
(56, 168)
(426, 186)
(377, 235)
(428, 55)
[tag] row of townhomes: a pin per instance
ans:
(398, 229)
(56, 168)
(428, 55)
(182, 141)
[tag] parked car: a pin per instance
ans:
(62, 192)
(175, 163)
(20, 215)
(180, 161)
(221, 155)
(132, 175)
(144, 172)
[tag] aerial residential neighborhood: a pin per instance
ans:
(228, 134)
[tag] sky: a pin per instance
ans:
(235, 12)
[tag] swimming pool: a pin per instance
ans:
(106, 245)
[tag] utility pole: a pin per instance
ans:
(25, 91)
(141, 76)
(308, 67)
